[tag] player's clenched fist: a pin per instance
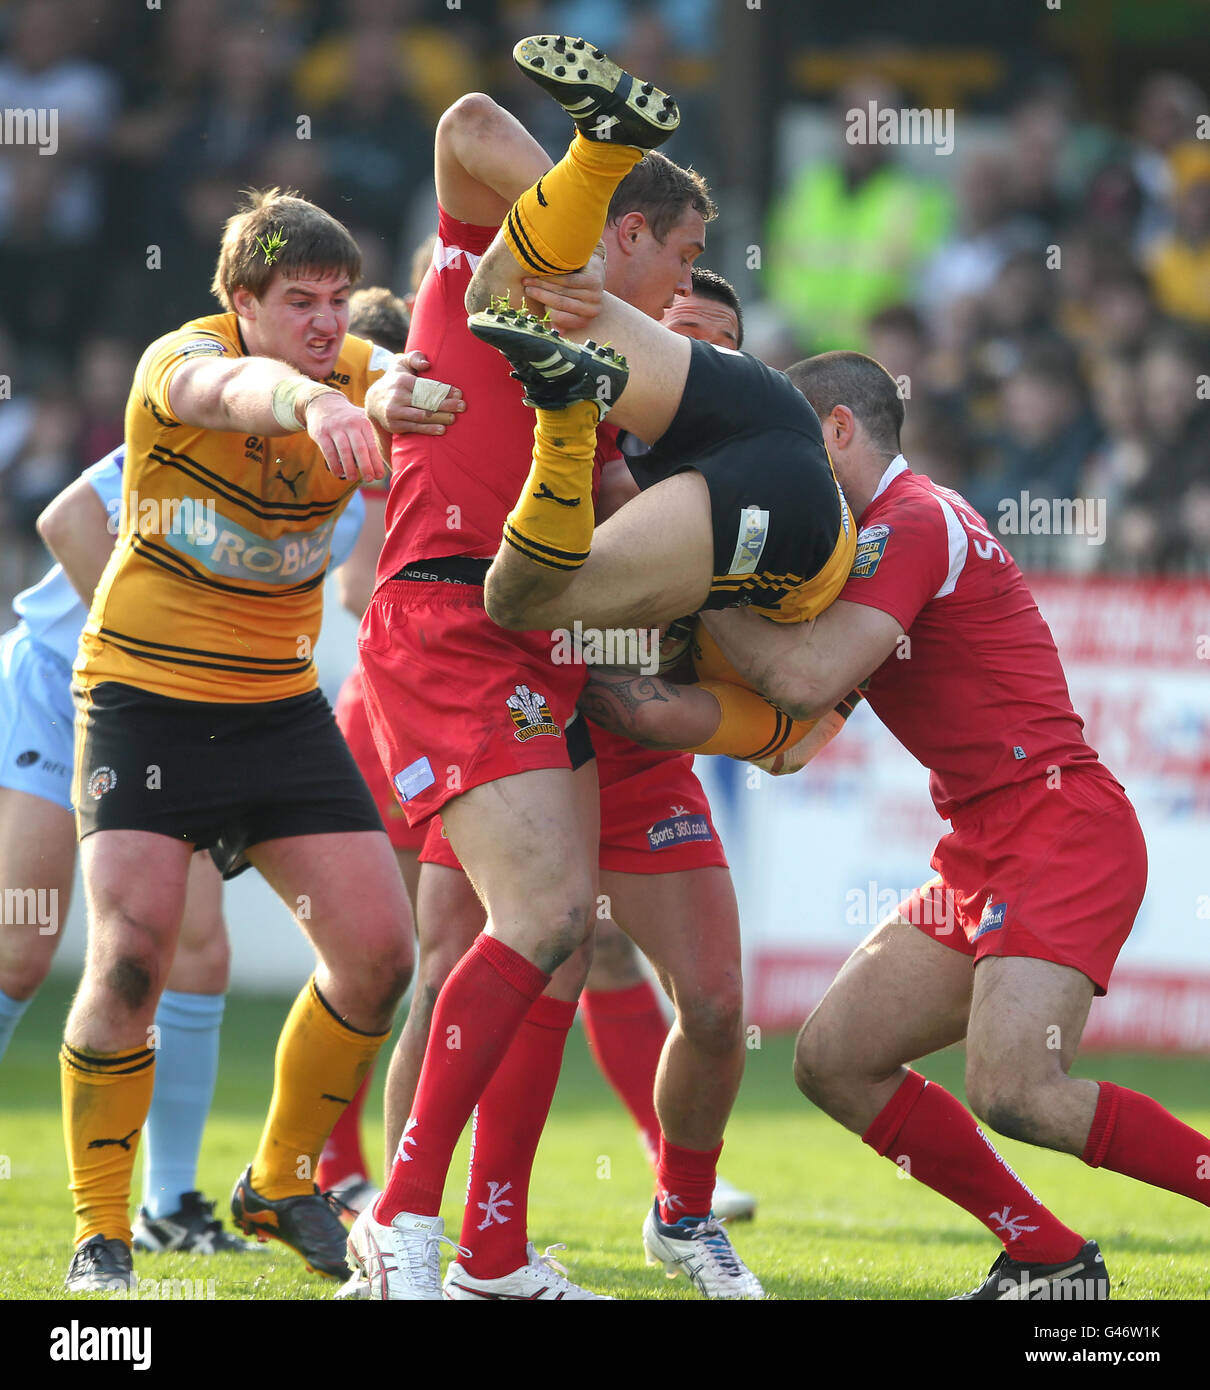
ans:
(345, 437)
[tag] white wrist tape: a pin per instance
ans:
(287, 396)
(429, 395)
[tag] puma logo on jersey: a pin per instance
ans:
(121, 1143)
(289, 482)
(544, 494)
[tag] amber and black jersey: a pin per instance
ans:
(214, 590)
(783, 537)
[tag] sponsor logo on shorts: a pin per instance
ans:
(103, 780)
(992, 919)
(871, 542)
(531, 714)
(28, 758)
(750, 542)
(413, 779)
(681, 828)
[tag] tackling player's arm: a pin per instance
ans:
(806, 668)
(75, 529)
(259, 395)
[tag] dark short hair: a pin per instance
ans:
(375, 313)
(663, 192)
(852, 379)
(709, 284)
(275, 231)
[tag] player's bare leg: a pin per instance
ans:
(38, 855)
(1026, 1020)
(687, 924)
(900, 996)
(528, 843)
(326, 881)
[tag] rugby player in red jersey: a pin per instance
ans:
(1038, 882)
(665, 878)
(481, 725)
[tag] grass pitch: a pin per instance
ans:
(835, 1220)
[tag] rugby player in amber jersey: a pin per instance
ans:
(480, 724)
(200, 725)
(1037, 884)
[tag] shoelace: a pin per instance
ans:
(547, 1261)
(424, 1265)
(337, 1203)
(711, 1234)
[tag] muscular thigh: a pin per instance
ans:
(686, 923)
(901, 995)
(345, 891)
(528, 844)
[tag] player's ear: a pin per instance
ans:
(628, 230)
(244, 302)
(842, 425)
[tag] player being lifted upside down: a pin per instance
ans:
(430, 591)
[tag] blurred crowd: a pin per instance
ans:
(1043, 292)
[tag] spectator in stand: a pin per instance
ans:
(850, 234)
(1165, 518)
(104, 372)
(1180, 260)
(1169, 106)
(991, 229)
(1046, 438)
(377, 142)
(437, 62)
(34, 468)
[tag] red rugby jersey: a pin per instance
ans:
(978, 695)
(451, 492)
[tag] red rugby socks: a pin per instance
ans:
(1135, 1135)
(626, 1031)
(685, 1181)
(935, 1140)
(512, 1114)
(477, 1015)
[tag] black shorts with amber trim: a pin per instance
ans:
(222, 777)
(783, 537)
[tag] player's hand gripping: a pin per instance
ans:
(389, 402)
(573, 300)
(345, 437)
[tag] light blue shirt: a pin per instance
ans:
(52, 610)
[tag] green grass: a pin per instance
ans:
(835, 1221)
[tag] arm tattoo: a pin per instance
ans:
(615, 702)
